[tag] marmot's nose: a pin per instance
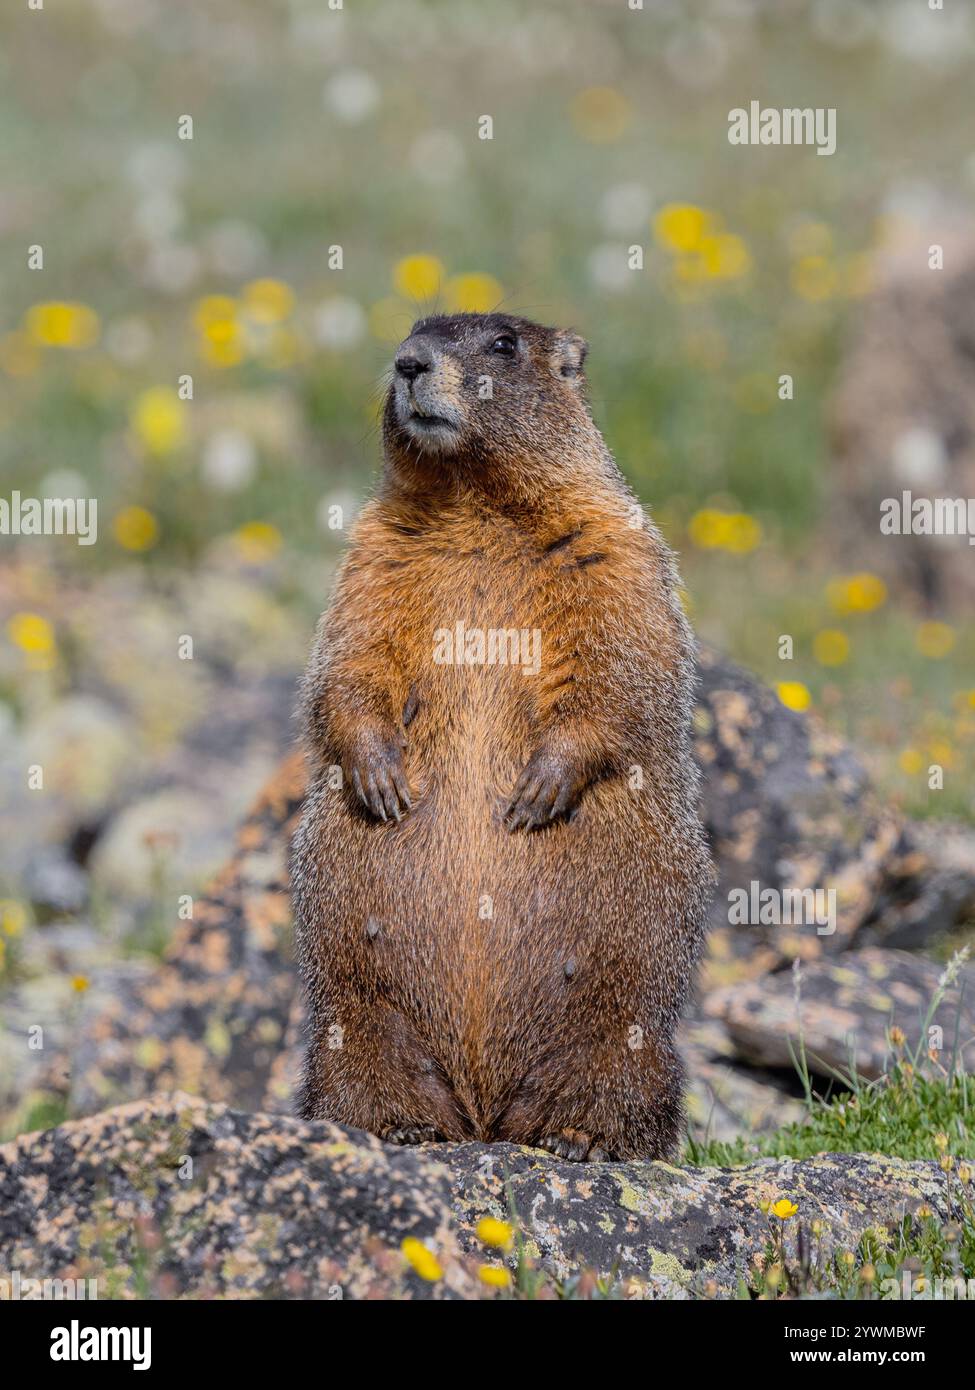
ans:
(411, 364)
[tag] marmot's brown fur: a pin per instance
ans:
(500, 898)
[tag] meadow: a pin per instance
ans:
(335, 187)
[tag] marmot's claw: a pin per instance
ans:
(410, 1134)
(379, 779)
(546, 790)
(574, 1145)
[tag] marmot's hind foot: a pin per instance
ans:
(575, 1146)
(411, 1134)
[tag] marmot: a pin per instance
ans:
(500, 879)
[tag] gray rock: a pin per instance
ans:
(84, 746)
(172, 838)
(203, 1201)
(725, 1099)
(54, 883)
(844, 1011)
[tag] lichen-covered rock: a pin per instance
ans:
(724, 1099)
(844, 1009)
(785, 805)
(212, 1018)
(928, 888)
(175, 1197)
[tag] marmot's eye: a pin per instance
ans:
(505, 345)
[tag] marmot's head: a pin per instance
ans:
(484, 388)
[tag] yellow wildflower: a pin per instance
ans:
(682, 226)
(221, 336)
(600, 114)
(158, 420)
(135, 528)
(856, 593)
(736, 532)
(215, 314)
(494, 1276)
(13, 917)
(418, 277)
(258, 541)
(725, 256)
(783, 1208)
(31, 633)
(831, 647)
(794, 695)
(423, 1260)
(268, 301)
(934, 640)
(490, 1231)
(473, 293)
(62, 325)
(941, 752)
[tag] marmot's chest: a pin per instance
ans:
(478, 613)
(474, 637)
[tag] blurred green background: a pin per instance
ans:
(214, 258)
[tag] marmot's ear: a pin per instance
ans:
(568, 354)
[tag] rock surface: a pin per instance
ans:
(175, 1197)
(786, 805)
(724, 1099)
(844, 1011)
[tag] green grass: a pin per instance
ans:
(901, 1115)
(918, 1257)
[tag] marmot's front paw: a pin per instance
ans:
(548, 788)
(411, 1134)
(574, 1145)
(378, 775)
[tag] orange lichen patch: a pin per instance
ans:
(216, 951)
(266, 915)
